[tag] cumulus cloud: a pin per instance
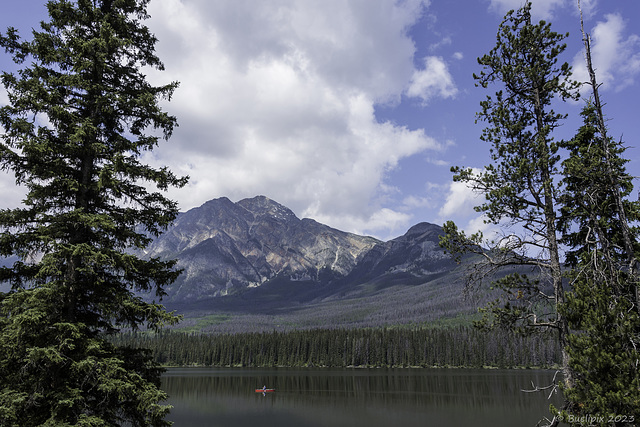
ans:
(384, 223)
(492, 234)
(459, 207)
(277, 98)
(615, 56)
(434, 80)
(460, 201)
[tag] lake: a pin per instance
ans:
(316, 397)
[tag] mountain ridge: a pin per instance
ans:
(226, 248)
(253, 265)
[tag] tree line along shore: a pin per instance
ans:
(460, 346)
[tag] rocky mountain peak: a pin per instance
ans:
(262, 206)
(227, 248)
(424, 230)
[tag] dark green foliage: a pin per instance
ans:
(590, 218)
(520, 121)
(602, 307)
(77, 122)
(604, 351)
(377, 347)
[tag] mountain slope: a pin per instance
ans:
(254, 266)
(226, 248)
(416, 253)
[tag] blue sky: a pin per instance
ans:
(350, 112)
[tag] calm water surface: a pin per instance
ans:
(226, 397)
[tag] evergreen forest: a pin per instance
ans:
(459, 346)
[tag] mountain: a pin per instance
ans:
(255, 266)
(226, 248)
(417, 253)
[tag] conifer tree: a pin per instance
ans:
(520, 185)
(604, 350)
(80, 114)
(603, 251)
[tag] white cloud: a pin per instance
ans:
(459, 207)
(434, 80)
(616, 57)
(12, 195)
(460, 201)
(383, 223)
(277, 98)
(490, 232)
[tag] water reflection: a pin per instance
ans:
(356, 397)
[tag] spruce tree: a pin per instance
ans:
(603, 306)
(80, 115)
(604, 348)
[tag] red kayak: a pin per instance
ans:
(262, 390)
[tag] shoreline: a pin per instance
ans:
(487, 367)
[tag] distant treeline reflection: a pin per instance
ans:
(383, 347)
